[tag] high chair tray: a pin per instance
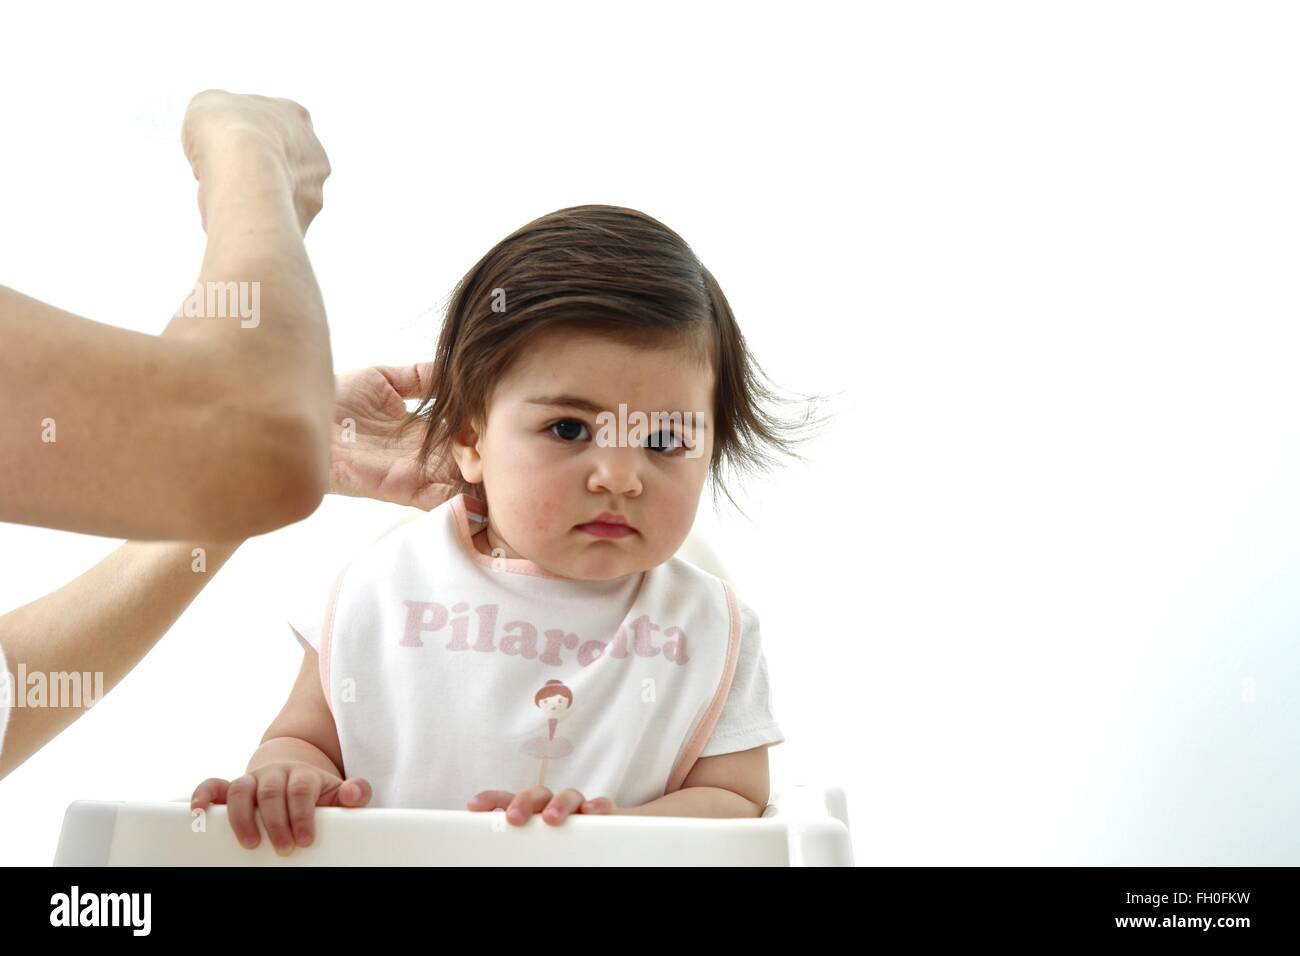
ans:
(803, 826)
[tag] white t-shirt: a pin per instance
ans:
(450, 672)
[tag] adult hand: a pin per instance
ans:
(221, 128)
(368, 458)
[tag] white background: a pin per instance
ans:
(1031, 599)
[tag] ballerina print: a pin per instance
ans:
(553, 700)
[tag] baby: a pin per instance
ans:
(533, 644)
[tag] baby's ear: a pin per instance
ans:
(469, 432)
(464, 452)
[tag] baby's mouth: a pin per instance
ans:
(604, 529)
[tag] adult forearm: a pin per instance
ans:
(220, 428)
(126, 435)
(101, 625)
(258, 314)
(256, 271)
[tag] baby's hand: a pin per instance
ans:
(287, 793)
(553, 808)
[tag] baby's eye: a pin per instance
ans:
(567, 426)
(667, 441)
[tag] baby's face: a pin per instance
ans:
(545, 474)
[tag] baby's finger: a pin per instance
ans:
(210, 791)
(526, 803)
(490, 800)
(561, 805)
(354, 792)
(271, 785)
(302, 791)
(598, 805)
(241, 799)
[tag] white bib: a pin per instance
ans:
(450, 672)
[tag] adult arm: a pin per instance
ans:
(219, 428)
(107, 619)
(104, 621)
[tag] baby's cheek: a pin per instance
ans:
(536, 513)
(546, 519)
(678, 532)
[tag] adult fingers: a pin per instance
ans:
(409, 381)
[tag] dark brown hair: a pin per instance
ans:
(602, 270)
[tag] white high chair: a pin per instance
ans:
(802, 826)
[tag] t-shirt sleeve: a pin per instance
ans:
(307, 607)
(747, 718)
(307, 623)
